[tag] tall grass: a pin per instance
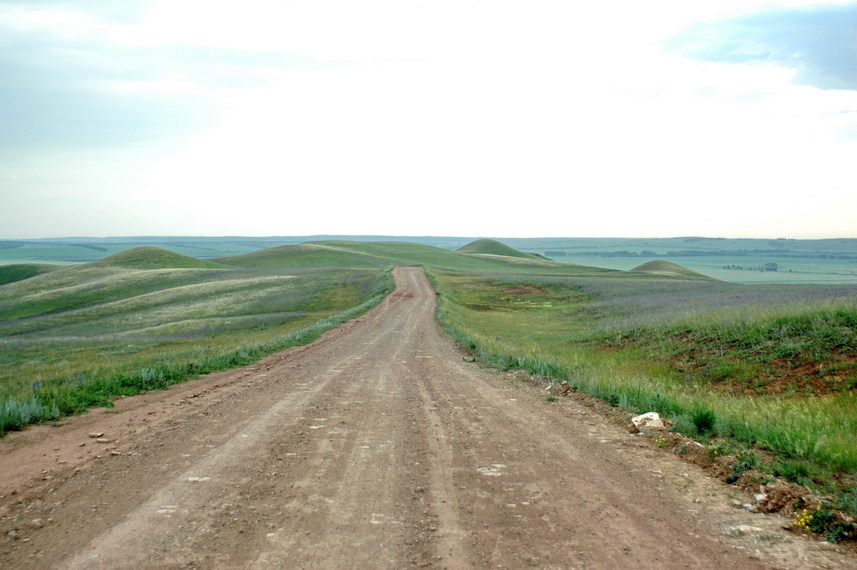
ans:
(572, 337)
(119, 348)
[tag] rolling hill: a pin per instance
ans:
(366, 255)
(670, 269)
(149, 257)
(494, 247)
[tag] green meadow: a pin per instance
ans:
(765, 371)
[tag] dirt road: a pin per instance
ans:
(378, 446)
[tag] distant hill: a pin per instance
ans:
(154, 258)
(494, 247)
(21, 271)
(306, 255)
(670, 269)
(359, 254)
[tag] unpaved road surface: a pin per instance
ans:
(377, 446)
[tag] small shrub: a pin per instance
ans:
(15, 415)
(704, 419)
(827, 523)
(684, 424)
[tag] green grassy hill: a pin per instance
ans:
(670, 269)
(304, 256)
(149, 257)
(21, 271)
(494, 247)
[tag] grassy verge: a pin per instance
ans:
(701, 354)
(76, 350)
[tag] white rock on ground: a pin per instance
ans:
(651, 420)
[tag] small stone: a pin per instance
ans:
(96, 434)
(760, 497)
(741, 530)
(36, 523)
(103, 440)
(115, 452)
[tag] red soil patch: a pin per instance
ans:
(524, 290)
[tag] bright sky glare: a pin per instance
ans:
(730, 118)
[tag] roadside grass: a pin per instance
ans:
(694, 351)
(80, 336)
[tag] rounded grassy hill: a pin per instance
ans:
(494, 247)
(155, 258)
(670, 269)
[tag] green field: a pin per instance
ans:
(743, 269)
(798, 261)
(766, 373)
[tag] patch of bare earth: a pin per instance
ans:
(376, 446)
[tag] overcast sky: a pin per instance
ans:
(731, 118)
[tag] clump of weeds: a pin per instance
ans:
(826, 521)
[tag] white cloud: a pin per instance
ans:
(502, 118)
